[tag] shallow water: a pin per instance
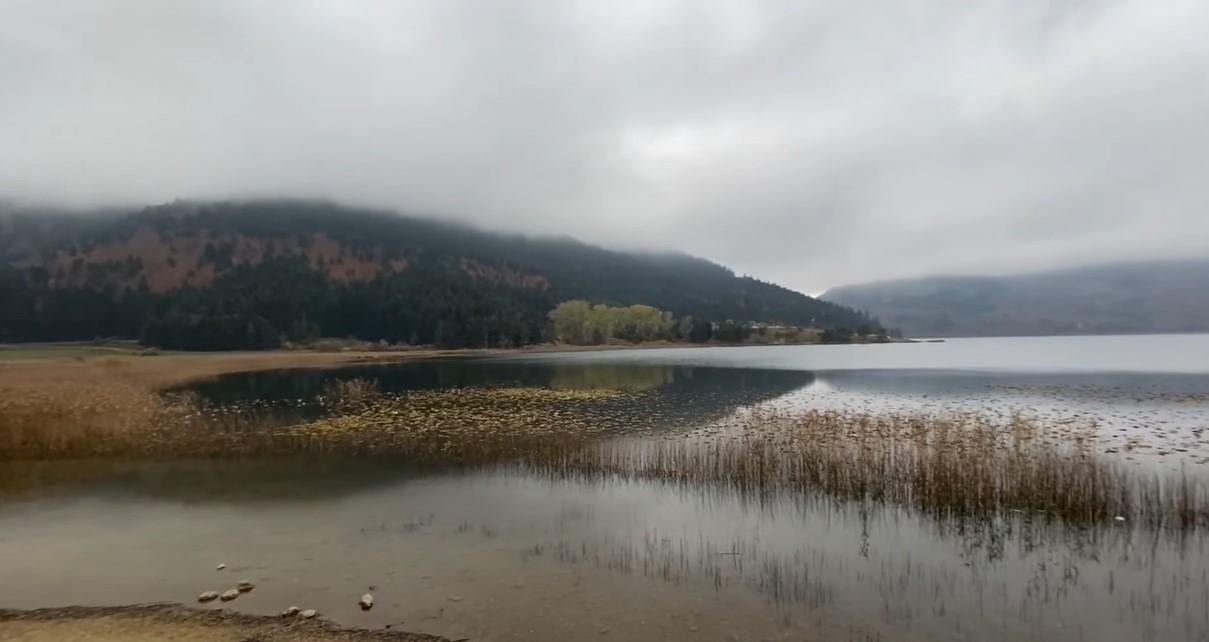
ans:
(504, 554)
(1147, 396)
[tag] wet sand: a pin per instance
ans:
(155, 622)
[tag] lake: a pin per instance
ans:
(515, 553)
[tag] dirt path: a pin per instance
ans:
(157, 622)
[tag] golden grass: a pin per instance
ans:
(51, 420)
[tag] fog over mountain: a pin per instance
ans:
(246, 274)
(810, 143)
(1158, 296)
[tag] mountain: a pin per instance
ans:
(240, 274)
(1156, 296)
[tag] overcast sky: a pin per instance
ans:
(809, 143)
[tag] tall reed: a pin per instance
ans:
(947, 466)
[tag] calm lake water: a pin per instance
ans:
(504, 555)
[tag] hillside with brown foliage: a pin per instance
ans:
(248, 274)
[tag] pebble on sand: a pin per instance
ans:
(309, 613)
(208, 596)
(220, 567)
(244, 586)
(229, 595)
(367, 602)
(291, 611)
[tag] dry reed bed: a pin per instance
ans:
(946, 466)
(69, 420)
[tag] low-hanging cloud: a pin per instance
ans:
(812, 143)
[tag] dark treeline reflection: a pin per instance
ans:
(686, 394)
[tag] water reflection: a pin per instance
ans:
(437, 374)
(667, 397)
(242, 481)
(482, 555)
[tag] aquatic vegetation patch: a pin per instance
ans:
(951, 467)
(462, 425)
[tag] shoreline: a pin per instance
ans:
(159, 372)
(160, 621)
(162, 371)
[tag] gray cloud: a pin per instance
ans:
(811, 143)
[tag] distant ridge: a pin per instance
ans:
(286, 267)
(1135, 297)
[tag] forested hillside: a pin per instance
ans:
(1160, 296)
(247, 274)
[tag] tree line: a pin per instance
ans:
(284, 300)
(579, 322)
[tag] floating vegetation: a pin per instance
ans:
(464, 425)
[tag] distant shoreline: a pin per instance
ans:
(61, 364)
